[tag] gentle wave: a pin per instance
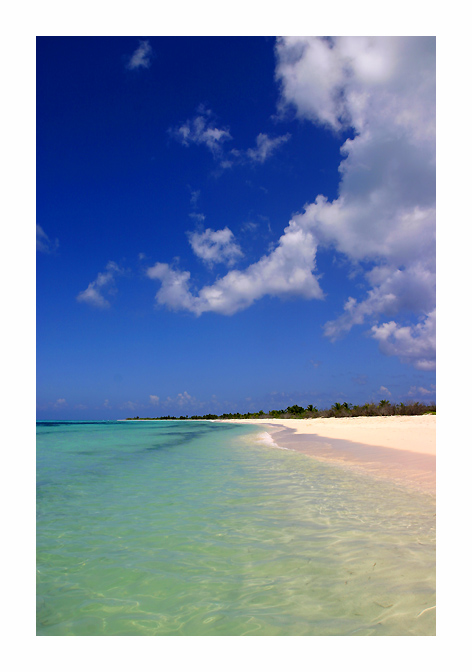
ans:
(266, 439)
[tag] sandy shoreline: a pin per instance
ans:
(416, 433)
(401, 448)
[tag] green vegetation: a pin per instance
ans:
(337, 410)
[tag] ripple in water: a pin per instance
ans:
(218, 533)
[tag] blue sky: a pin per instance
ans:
(230, 224)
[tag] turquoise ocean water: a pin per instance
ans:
(200, 528)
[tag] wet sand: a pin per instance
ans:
(400, 448)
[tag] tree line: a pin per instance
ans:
(337, 410)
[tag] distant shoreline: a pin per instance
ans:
(415, 433)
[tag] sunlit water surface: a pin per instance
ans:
(195, 528)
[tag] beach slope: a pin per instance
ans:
(402, 448)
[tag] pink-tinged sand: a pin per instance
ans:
(402, 448)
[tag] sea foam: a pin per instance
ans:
(266, 439)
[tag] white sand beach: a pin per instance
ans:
(402, 448)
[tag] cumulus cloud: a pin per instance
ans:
(174, 292)
(384, 217)
(141, 57)
(93, 295)
(414, 345)
(44, 243)
(201, 130)
(154, 399)
(60, 403)
(411, 289)
(381, 90)
(340, 82)
(287, 271)
(215, 247)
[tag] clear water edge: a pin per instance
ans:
(202, 529)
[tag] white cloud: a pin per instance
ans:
(264, 149)
(106, 403)
(174, 292)
(198, 216)
(153, 399)
(383, 220)
(422, 391)
(182, 399)
(266, 146)
(215, 247)
(414, 345)
(43, 242)
(385, 390)
(141, 57)
(342, 81)
(385, 213)
(201, 130)
(60, 403)
(93, 294)
(412, 289)
(185, 399)
(288, 271)
(311, 75)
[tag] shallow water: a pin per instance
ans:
(195, 528)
